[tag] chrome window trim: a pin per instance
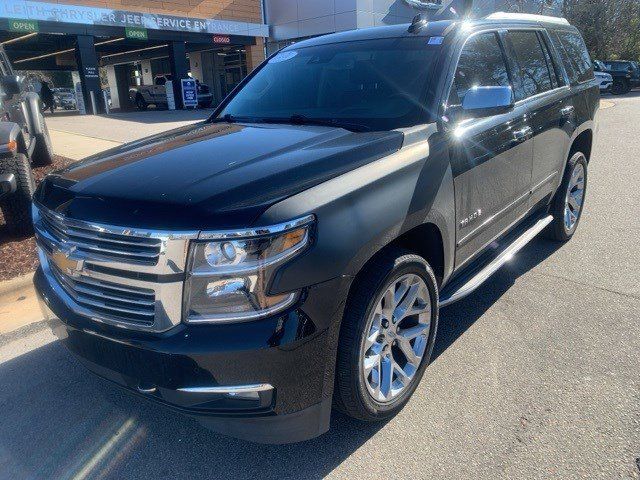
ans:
(256, 231)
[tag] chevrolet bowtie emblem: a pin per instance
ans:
(62, 259)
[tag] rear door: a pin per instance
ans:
(552, 116)
(491, 156)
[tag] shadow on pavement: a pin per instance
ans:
(457, 318)
(59, 421)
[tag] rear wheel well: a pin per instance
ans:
(426, 241)
(582, 143)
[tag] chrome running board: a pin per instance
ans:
(470, 285)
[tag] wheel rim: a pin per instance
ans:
(574, 197)
(396, 337)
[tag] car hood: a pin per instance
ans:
(603, 76)
(207, 175)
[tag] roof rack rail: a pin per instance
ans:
(527, 16)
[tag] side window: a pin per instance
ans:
(557, 79)
(481, 64)
(575, 55)
(533, 72)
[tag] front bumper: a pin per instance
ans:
(267, 381)
(606, 86)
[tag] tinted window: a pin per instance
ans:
(380, 84)
(481, 64)
(557, 79)
(574, 55)
(533, 71)
(618, 66)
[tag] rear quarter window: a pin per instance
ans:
(574, 55)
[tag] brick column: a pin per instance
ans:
(255, 54)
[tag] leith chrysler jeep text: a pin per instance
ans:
(291, 253)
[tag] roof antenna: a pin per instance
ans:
(417, 24)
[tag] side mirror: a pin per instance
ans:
(11, 84)
(487, 101)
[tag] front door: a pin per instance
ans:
(490, 157)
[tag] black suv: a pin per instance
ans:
(24, 140)
(625, 73)
(292, 252)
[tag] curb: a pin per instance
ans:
(21, 332)
(15, 284)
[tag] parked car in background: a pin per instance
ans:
(156, 94)
(292, 252)
(605, 80)
(65, 98)
(625, 73)
(24, 140)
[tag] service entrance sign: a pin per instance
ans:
(189, 92)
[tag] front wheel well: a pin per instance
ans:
(425, 240)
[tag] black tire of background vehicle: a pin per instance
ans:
(43, 153)
(351, 396)
(556, 229)
(620, 87)
(16, 207)
(141, 103)
(206, 104)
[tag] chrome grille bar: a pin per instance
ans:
(140, 308)
(143, 250)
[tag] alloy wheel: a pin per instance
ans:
(574, 197)
(396, 337)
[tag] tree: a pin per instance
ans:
(610, 27)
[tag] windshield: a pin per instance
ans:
(379, 84)
(618, 66)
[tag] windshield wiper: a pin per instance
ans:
(298, 119)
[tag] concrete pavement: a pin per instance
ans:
(76, 137)
(535, 376)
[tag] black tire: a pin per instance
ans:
(620, 87)
(16, 207)
(206, 104)
(351, 395)
(141, 103)
(43, 152)
(558, 229)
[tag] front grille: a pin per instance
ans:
(101, 244)
(131, 278)
(105, 299)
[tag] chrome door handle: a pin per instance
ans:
(523, 134)
(566, 111)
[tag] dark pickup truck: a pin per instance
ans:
(625, 73)
(291, 253)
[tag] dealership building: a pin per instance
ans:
(217, 42)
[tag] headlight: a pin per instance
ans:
(228, 278)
